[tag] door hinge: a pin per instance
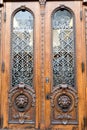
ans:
(1, 121)
(85, 123)
(3, 66)
(4, 16)
(83, 67)
(81, 15)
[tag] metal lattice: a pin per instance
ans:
(63, 48)
(22, 49)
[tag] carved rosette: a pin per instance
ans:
(64, 103)
(21, 104)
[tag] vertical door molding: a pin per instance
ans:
(42, 41)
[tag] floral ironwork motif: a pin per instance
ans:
(22, 48)
(63, 48)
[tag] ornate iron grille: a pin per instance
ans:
(63, 48)
(22, 48)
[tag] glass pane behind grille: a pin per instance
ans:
(22, 48)
(63, 48)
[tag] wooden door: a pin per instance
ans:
(21, 68)
(65, 70)
(43, 77)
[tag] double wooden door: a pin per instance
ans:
(42, 65)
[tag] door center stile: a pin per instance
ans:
(42, 44)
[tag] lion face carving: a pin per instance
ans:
(21, 102)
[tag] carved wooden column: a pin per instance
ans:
(42, 41)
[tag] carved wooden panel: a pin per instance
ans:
(21, 104)
(64, 103)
